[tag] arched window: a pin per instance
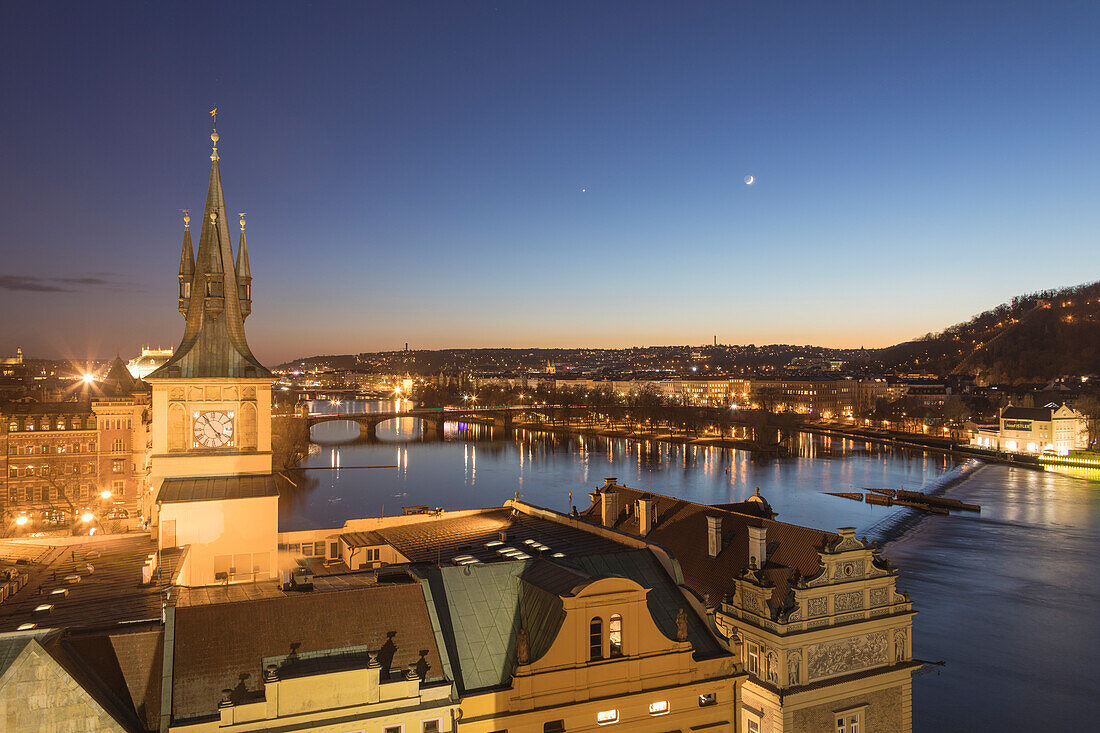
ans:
(615, 636)
(595, 639)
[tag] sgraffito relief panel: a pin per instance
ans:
(848, 601)
(847, 655)
(880, 596)
(817, 606)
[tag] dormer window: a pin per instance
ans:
(595, 639)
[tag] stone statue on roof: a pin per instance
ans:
(681, 625)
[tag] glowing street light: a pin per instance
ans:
(87, 378)
(21, 520)
(105, 494)
(87, 516)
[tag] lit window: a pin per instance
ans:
(615, 636)
(708, 699)
(595, 639)
(658, 708)
(607, 717)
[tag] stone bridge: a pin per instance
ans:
(433, 420)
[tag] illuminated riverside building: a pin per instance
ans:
(1053, 428)
(66, 459)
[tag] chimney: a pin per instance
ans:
(609, 506)
(610, 482)
(645, 516)
(758, 546)
(714, 536)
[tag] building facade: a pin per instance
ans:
(1050, 429)
(67, 460)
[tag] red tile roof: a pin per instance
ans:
(681, 527)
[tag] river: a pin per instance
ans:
(1006, 599)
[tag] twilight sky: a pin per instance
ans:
(551, 174)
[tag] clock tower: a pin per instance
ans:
(211, 486)
(212, 398)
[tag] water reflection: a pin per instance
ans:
(474, 465)
(1006, 598)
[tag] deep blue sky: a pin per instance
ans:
(414, 171)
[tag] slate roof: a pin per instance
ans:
(1040, 414)
(223, 645)
(110, 593)
(681, 528)
(217, 488)
(443, 539)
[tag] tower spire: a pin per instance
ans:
(244, 272)
(187, 263)
(214, 343)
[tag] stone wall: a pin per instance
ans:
(888, 711)
(38, 695)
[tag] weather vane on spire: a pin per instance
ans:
(186, 218)
(214, 134)
(242, 215)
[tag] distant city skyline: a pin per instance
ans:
(546, 175)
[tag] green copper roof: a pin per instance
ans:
(481, 608)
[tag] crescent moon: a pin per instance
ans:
(749, 180)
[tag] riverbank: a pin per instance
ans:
(933, 445)
(597, 432)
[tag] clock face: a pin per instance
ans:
(213, 429)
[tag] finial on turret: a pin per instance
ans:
(186, 218)
(242, 215)
(213, 217)
(214, 135)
